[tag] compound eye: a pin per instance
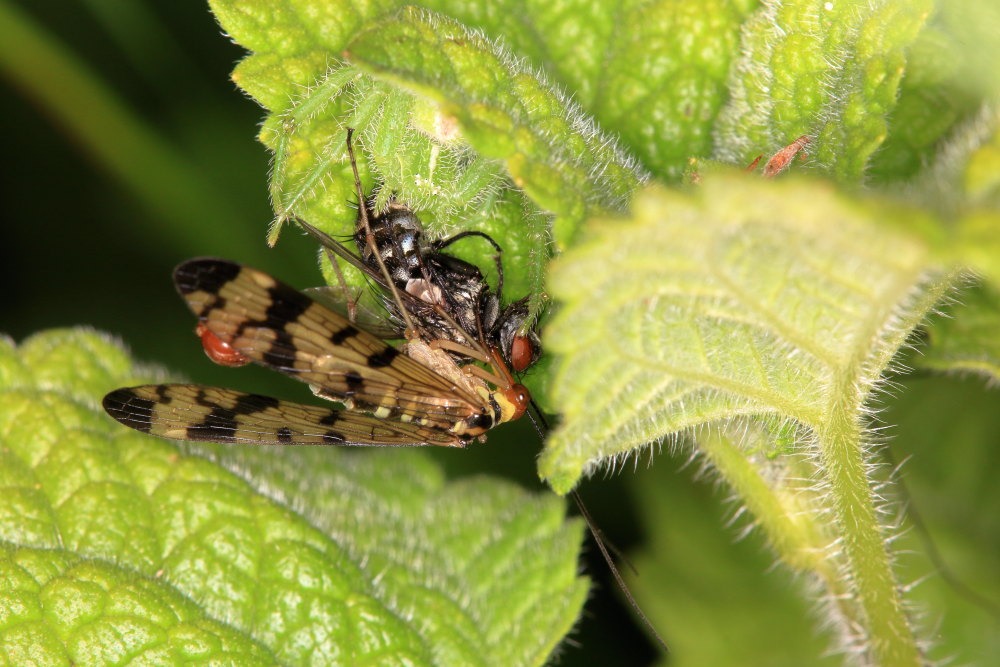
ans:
(522, 352)
(219, 350)
(519, 397)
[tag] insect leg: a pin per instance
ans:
(444, 243)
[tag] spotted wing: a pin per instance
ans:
(279, 327)
(368, 315)
(211, 414)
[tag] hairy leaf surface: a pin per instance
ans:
(307, 555)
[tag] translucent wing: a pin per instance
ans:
(368, 315)
(279, 327)
(411, 302)
(212, 414)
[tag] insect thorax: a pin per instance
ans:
(445, 284)
(398, 237)
(435, 278)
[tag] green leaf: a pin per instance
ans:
(963, 186)
(663, 80)
(62, 609)
(953, 506)
(758, 317)
(506, 111)
(695, 580)
(655, 73)
(943, 85)
(407, 145)
(740, 297)
(309, 555)
(827, 70)
(964, 178)
(965, 340)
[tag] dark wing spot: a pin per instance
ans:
(251, 403)
(284, 435)
(129, 409)
(332, 418)
(215, 303)
(199, 399)
(219, 426)
(281, 353)
(383, 358)
(206, 274)
(333, 438)
(342, 336)
(354, 382)
(287, 305)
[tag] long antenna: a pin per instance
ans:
(596, 533)
(370, 237)
(541, 427)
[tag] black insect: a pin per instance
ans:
(447, 298)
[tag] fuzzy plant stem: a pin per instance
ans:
(784, 515)
(865, 595)
(876, 609)
(858, 581)
(887, 636)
